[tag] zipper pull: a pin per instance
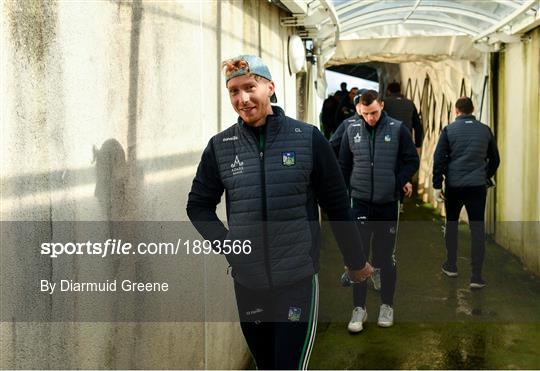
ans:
(261, 155)
(371, 163)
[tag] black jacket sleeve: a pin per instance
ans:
(492, 157)
(418, 129)
(440, 160)
(205, 195)
(408, 161)
(333, 198)
(346, 159)
(337, 136)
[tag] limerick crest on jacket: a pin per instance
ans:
(288, 158)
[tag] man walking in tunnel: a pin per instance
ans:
(404, 110)
(274, 171)
(346, 107)
(328, 113)
(466, 158)
(377, 158)
(337, 136)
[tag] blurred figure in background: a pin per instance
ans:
(404, 110)
(346, 107)
(328, 113)
(335, 139)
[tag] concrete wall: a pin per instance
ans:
(106, 107)
(517, 106)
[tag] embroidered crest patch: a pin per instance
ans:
(294, 314)
(288, 158)
(387, 138)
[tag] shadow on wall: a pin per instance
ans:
(111, 178)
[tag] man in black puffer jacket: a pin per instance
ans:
(274, 171)
(377, 158)
(466, 158)
(335, 139)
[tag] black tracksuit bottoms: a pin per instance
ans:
(474, 200)
(279, 324)
(378, 225)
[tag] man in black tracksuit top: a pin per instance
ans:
(404, 110)
(337, 136)
(466, 158)
(274, 171)
(377, 158)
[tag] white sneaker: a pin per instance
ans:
(359, 316)
(376, 279)
(386, 316)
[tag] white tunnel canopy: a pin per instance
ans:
(437, 29)
(389, 19)
(404, 31)
(338, 24)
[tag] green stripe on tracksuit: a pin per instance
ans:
(280, 324)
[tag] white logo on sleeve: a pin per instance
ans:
(357, 138)
(237, 166)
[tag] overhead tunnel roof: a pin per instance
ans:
(485, 23)
(347, 32)
(388, 19)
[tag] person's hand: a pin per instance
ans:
(439, 195)
(407, 188)
(360, 275)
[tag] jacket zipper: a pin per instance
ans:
(264, 211)
(372, 159)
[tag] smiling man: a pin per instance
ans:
(275, 171)
(377, 158)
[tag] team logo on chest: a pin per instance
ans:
(387, 138)
(237, 166)
(294, 314)
(357, 138)
(288, 158)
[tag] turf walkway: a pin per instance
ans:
(439, 322)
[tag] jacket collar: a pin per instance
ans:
(272, 121)
(466, 117)
(382, 121)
